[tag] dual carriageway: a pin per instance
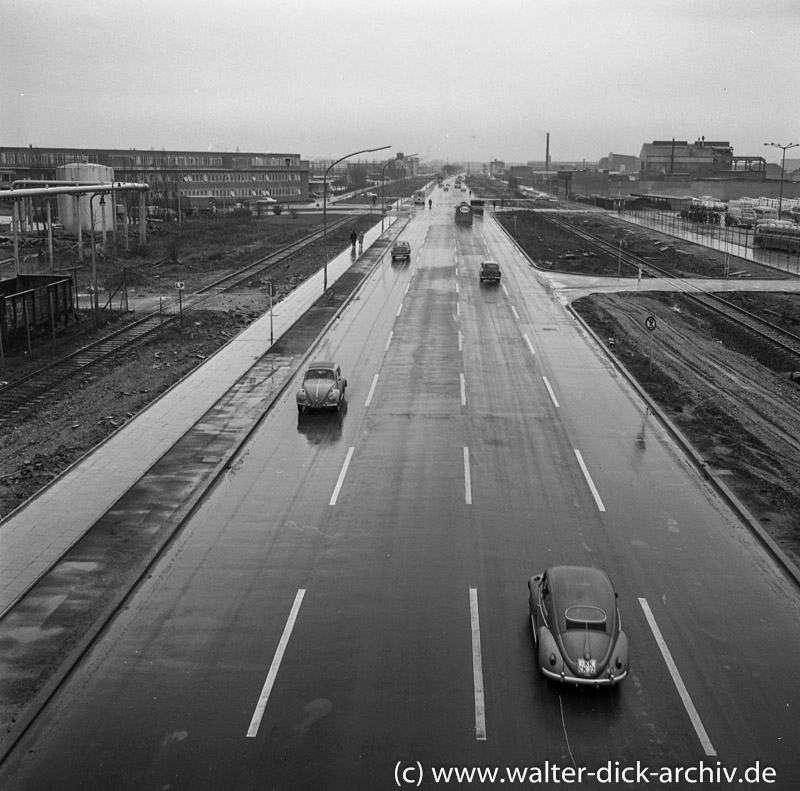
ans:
(351, 594)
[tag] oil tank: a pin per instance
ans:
(71, 213)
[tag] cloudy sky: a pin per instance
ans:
(447, 79)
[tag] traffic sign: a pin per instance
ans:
(650, 323)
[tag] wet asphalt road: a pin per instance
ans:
(352, 596)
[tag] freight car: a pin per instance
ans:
(31, 303)
(463, 214)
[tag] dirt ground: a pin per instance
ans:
(729, 394)
(93, 405)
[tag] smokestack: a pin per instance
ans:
(547, 155)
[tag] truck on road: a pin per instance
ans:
(463, 214)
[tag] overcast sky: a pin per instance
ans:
(449, 80)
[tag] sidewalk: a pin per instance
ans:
(39, 532)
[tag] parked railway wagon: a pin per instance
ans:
(777, 235)
(463, 214)
(34, 302)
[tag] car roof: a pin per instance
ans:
(575, 585)
(491, 263)
(322, 364)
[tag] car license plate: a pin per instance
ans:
(587, 667)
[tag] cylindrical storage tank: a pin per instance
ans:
(82, 172)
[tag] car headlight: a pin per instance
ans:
(301, 396)
(333, 396)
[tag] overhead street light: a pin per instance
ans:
(388, 162)
(398, 158)
(783, 168)
(325, 209)
(403, 180)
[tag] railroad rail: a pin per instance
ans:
(27, 393)
(783, 339)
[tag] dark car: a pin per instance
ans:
(401, 250)
(576, 626)
(490, 272)
(323, 387)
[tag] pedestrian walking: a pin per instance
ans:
(353, 239)
(360, 242)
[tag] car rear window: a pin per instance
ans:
(585, 616)
(319, 373)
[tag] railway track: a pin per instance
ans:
(24, 395)
(692, 289)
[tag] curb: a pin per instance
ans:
(699, 462)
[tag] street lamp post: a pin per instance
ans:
(783, 164)
(383, 187)
(325, 209)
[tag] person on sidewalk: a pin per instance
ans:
(353, 239)
(360, 242)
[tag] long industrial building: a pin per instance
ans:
(198, 179)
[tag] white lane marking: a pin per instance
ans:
(460, 342)
(408, 286)
(399, 309)
(335, 495)
(467, 478)
(388, 341)
(550, 390)
(456, 271)
(456, 288)
(677, 680)
(458, 308)
(371, 391)
(528, 341)
(477, 667)
(514, 311)
(503, 286)
(589, 480)
(463, 390)
(255, 722)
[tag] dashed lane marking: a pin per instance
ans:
(335, 495)
(589, 480)
(677, 680)
(477, 667)
(261, 705)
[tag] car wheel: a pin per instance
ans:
(300, 409)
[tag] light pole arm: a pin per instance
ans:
(325, 209)
(783, 168)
